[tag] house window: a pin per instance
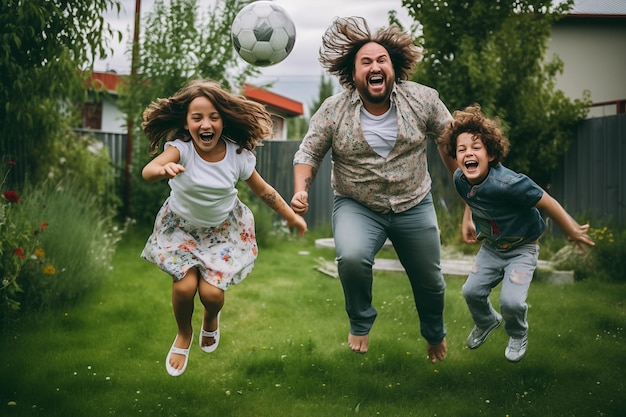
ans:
(92, 116)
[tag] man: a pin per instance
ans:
(378, 129)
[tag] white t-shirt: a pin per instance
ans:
(380, 131)
(205, 193)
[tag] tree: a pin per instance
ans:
(298, 126)
(177, 44)
(491, 52)
(47, 50)
(326, 90)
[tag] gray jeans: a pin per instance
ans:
(515, 269)
(360, 233)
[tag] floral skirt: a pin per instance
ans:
(224, 254)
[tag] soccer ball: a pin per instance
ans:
(263, 34)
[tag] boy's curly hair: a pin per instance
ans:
(472, 120)
(246, 122)
(346, 35)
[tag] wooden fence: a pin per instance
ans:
(591, 178)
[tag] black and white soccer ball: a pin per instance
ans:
(263, 33)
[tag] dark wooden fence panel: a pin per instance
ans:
(590, 181)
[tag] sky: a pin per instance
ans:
(298, 76)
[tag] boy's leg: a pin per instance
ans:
(486, 273)
(518, 275)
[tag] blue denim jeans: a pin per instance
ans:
(515, 269)
(360, 233)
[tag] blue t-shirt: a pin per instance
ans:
(503, 207)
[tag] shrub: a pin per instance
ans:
(19, 240)
(609, 254)
(606, 261)
(84, 159)
(75, 252)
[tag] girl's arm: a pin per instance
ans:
(164, 166)
(575, 232)
(273, 200)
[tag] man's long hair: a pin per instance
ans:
(346, 35)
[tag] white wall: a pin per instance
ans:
(113, 120)
(594, 56)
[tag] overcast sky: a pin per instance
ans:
(297, 77)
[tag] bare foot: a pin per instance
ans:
(358, 344)
(437, 352)
(177, 361)
(210, 324)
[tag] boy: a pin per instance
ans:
(502, 211)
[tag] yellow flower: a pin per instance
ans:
(40, 253)
(49, 270)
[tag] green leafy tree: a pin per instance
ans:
(298, 126)
(177, 43)
(47, 48)
(491, 52)
(326, 90)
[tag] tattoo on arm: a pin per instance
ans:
(308, 183)
(270, 199)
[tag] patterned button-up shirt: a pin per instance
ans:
(395, 183)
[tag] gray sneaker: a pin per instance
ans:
(478, 336)
(516, 349)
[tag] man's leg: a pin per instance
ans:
(358, 237)
(415, 236)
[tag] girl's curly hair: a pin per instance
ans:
(346, 35)
(246, 122)
(472, 120)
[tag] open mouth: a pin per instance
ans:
(471, 165)
(206, 137)
(376, 80)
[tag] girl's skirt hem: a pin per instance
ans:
(224, 255)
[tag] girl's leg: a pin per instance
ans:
(212, 299)
(183, 293)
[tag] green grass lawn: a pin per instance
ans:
(283, 351)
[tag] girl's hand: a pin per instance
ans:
(299, 223)
(171, 169)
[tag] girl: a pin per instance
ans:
(203, 234)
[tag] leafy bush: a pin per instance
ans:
(609, 254)
(74, 254)
(606, 261)
(19, 240)
(85, 160)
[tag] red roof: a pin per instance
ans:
(105, 81)
(110, 80)
(289, 106)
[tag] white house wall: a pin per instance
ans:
(113, 120)
(594, 57)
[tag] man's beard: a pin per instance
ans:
(375, 99)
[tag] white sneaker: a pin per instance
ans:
(516, 349)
